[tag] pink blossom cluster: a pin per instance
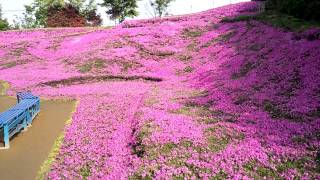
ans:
(188, 96)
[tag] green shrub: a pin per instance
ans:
(4, 25)
(305, 9)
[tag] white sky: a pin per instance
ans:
(15, 7)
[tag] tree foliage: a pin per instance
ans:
(90, 12)
(36, 14)
(305, 9)
(160, 7)
(120, 9)
(4, 25)
(65, 16)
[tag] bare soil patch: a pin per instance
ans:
(92, 79)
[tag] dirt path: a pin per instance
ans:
(30, 149)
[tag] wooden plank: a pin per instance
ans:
(25, 104)
(5, 117)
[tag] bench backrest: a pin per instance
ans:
(11, 114)
(25, 95)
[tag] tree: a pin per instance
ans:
(120, 9)
(4, 25)
(305, 9)
(37, 13)
(65, 16)
(93, 19)
(160, 7)
(90, 12)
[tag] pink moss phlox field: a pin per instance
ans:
(184, 97)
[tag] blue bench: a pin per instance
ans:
(19, 116)
(25, 95)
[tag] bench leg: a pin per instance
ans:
(6, 137)
(29, 118)
(25, 124)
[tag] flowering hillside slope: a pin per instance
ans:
(190, 97)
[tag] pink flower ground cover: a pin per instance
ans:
(186, 97)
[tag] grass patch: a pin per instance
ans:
(168, 147)
(85, 68)
(18, 51)
(145, 52)
(138, 176)
(85, 172)
(184, 57)
(272, 109)
(277, 113)
(218, 143)
(154, 151)
(116, 44)
(287, 22)
(215, 143)
(188, 69)
(152, 98)
(299, 139)
(241, 99)
(255, 47)
(139, 148)
(226, 37)
(275, 19)
(244, 70)
(95, 64)
(151, 101)
(194, 110)
(192, 32)
(295, 83)
(257, 171)
(238, 18)
(220, 176)
(221, 38)
(193, 47)
(302, 165)
(4, 86)
(9, 65)
(129, 65)
(315, 113)
(201, 112)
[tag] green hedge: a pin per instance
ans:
(305, 9)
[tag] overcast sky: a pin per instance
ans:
(15, 7)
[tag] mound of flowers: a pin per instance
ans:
(213, 95)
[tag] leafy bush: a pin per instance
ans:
(65, 16)
(4, 25)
